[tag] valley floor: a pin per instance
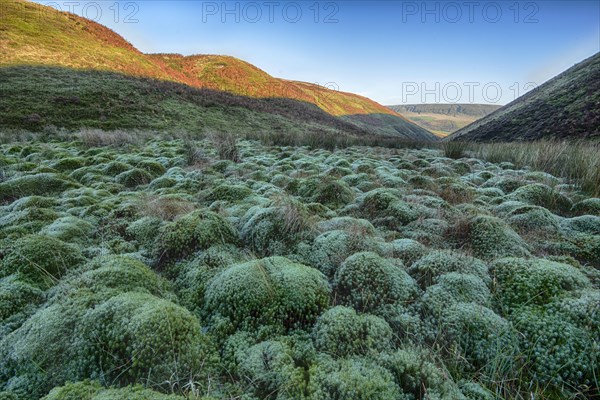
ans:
(221, 268)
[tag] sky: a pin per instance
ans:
(395, 52)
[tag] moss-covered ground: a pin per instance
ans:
(221, 268)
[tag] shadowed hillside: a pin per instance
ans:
(34, 97)
(565, 107)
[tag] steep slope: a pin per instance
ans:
(31, 34)
(389, 125)
(236, 76)
(565, 107)
(33, 97)
(444, 119)
(35, 35)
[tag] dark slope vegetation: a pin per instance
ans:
(389, 125)
(565, 107)
(35, 97)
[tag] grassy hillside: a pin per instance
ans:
(565, 107)
(389, 125)
(444, 119)
(239, 77)
(35, 97)
(35, 34)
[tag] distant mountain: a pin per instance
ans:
(36, 36)
(444, 119)
(565, 107)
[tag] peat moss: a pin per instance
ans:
(521, 282)
(272, 292)
(41, 260)
(189, 233)
(90, 390)
(341, 332)
(365, 281)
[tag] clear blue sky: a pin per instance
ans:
(391, 51)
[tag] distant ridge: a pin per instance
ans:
(565, 107)
(444, 119)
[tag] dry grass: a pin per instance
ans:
(100, 138)
(194, 156)
(295, 217)
(226, 145)
(578, 162)
(454, 149)
(331, 141)
(165, 208)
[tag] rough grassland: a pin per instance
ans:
(132, 266)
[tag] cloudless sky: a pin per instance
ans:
(391, 51)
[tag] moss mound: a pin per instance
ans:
(491, 238)
(34, 185)
(129, 338)
(560, 350)
(133, 178)
(327, 191)
(106, 276)
(273, 368)
(189, 233)
(229, 192)
(587, 207)
(482, 338)
(351, 379)
(418, 376)
(41, 260)
(527, 282)
(341, 332)
(542, 195)
(453, 288)
(272, 292)
(330, 249)
(277, 228)
(88, 390)
(18, 300)
(135, 337)
(366, 282)
(429, 268)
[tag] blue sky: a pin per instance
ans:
(391, 51)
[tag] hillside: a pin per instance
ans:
(108, 100)
(565, 107)
(35, 35)
(444, 119)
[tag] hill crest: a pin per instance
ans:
(34, 34)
